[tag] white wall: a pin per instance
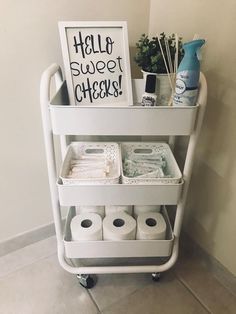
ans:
(29, 44)
(210, 213)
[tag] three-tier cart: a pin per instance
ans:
(63, 120)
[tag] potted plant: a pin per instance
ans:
(149, 57)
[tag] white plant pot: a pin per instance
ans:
(163, 88)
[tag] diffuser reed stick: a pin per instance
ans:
(164, 59)
(168, 55)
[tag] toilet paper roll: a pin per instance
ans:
(86, 227)
(139, 209)
(100, 210)
(119, 226)
(151, 226)
(109, 209)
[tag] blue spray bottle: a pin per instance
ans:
(188, 73)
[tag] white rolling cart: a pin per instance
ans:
(63, 120)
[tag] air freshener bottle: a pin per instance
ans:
(187, 78)
(149, 97)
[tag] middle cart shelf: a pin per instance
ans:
(122, 194)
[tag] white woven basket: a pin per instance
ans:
(130, 149)
(110, 151)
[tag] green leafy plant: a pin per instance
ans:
(149, 57)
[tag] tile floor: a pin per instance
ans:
(32, 282)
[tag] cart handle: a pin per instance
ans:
(188, 166)
(45, 85)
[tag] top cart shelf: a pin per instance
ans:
(111, 120)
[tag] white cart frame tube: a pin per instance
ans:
(55, 71)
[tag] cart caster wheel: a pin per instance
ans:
(156, 276)
(86, 281)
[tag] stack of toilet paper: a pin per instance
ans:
(140, 209)
(151, 226)
(86, 227)
(100, 210)
(119, 226)
(116, 223)
(110, 209)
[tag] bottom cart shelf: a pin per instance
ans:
(125, 248)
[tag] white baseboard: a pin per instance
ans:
(214, 266)
(21, 240)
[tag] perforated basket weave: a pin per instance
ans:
(128, 150)
(110, 151)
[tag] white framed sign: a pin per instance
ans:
(96, 61)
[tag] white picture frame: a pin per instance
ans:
(96, 62)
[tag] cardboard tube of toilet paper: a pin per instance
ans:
(86, 227)
(109, 209)
(139, 209)
(151, 226)
(119, 226)
(100, 210)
